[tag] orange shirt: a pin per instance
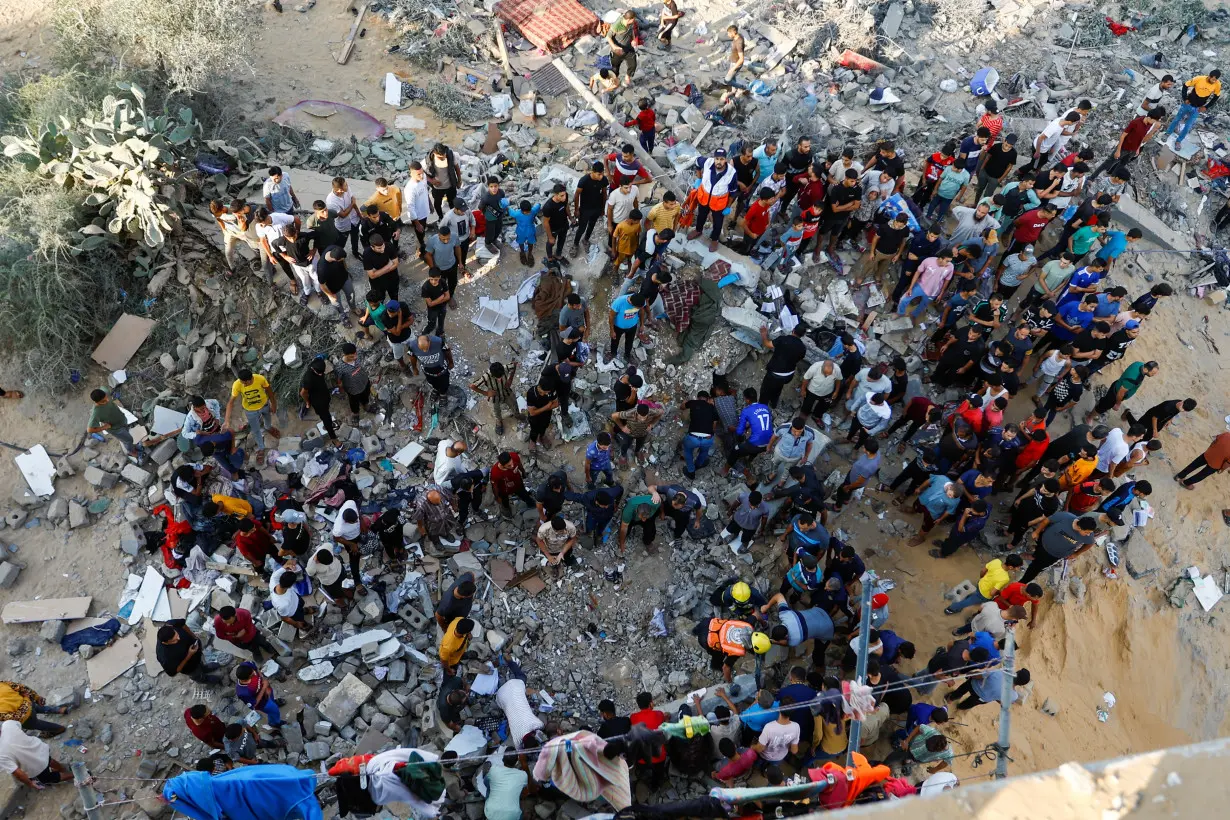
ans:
(1218, 454)
(993, 123)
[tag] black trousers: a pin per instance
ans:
(492, 234)
(359, 400)
(539, 425)
(771, 387)
(556, 249)
(523, 494)
(1107, 402)
(438, 195)
(703, 213)
(745, 449)
(629, 336)
(585, 226)
(470, 499)
(1042, 560)
(814, 405)
(628, 58)
(258, 646)
(1195, 472)
(914, 473)
(914, 427)
(649, 529)
(438, 379)
(965, 690)
(680, 519)
(435, 321)
(450, 281)
(326, 418)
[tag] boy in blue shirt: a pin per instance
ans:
(527, 231)
(623, 318)
(956, 307)
(790, 242)
(756, 421)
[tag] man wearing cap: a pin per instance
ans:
(1013, 270)
(994, 165)
(717, 181)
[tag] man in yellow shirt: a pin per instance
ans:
(1199, 94)
(387, 198)
(229, 505)
(994, 577)
(665, 215)
(259, 405)
(454, 643)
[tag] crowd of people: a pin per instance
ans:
(1006, 250)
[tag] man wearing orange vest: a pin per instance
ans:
(717, 179)
(728, 640)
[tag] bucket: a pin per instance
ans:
(984, 82)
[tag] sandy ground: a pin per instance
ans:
(1165, 666)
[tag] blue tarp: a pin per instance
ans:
(100, 635)
(266, 792)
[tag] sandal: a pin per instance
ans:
(13, 394)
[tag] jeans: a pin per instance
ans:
(258, 420)
(918, 293)
(1183, 121)
(593, 477)
(124, 437)
(696, 451)
(646, 139)
(975, 598)
(987, 183)
(938, 208)
(271, 710)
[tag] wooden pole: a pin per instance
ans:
(348, 45)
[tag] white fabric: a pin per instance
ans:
(19, 750)
(338, 203)
(448, 466)
(521, 718)
(1067, 185)
(342, 529)
(1053, 364)
(286, 603)
(621, 204)
(937, 783)
(385, 787)
(273, 230)
(989, 619)
(324, 573)
(1113, 450)
(417, 200)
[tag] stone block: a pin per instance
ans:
(293, 735)
(316, 750)
(8, 574)
(164, 452)
(465, 562)
(343, 702)
(52, 631)
(390, 704)
(131, 540)
(136, 476)
(99, 478)
(397, 672)
(78, 515)
(64, 696)
(57, 510)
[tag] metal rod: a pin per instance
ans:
(1007, 674)
(89, 799)
(860, 671)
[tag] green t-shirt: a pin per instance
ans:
(109, 413)
(1083, 240)
(1052, 276)
(1131, 379)
(377, 316)
(918, 746)
(629, 514)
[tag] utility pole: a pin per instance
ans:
(89, 798)
(1007, 674)
(860, 671)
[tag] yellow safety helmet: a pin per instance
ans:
(741, 592)
(760, 643)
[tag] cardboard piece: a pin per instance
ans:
(48, 609)
(114, 661)
(38, 470)
(501, 572)
(149, 648)
(150, 597)
(119, 345)
(166, 420)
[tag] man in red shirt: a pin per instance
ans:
(993, 121)
(1018, 594)
(205, 726)
(507, 480)
(650, 718)
(1133, 137)
(235, 625)
(811, 187)
(933, 168)
(1029, 226)
(624, 165)
(756, 221)
(255, 542)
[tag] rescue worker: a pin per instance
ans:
(717, 180)
(739, 599)
(727, 640)
(797, 626)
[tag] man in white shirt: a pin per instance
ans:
(329, 572)
(1116, 448)
(778, 739)
(819, 388)
(1071, 186)
(460, 221)
(341, 203)
(450, 459)
(417, 203)
(1154, 96)
(268, 227)
(286, 601)
(619, 205)
(1054, 136)
(27, 758)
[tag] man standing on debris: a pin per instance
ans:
(107, 416)
(380, 264)
(443, 258)
(622, 37)
(508, 480)
(340, 202)
(541, 402)
(496, 385)
(434, 514)
(736, 52)
(268, 227)
(797, 161)
(588, 205)
(235, 625)
(555, 223)
(667, 20)
(717, 182)
(418, 204)
(632, 428)
(727, 640)
(1199, 94)
(354, 381)
(491, 206)
(788, 350)
(756, 421)
(334, 279)
(259, 404)
(444, 176)
(842, 201)
(436, 358)
(460, 221)
(315, 390)
(279, 194)
(639, 510)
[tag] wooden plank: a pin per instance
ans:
(348, 45)
(114, 661)
(604, 112)
(149, 646)
(48, 609)
(499, 41)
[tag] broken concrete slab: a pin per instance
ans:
(136, 476)
(1133, 215)
(343, 701)
(352, 644)
(8, 577)
(39, 472)
(48, 609)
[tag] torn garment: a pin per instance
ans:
(575, 764)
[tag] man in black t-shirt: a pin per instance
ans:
(625, 389)
(376, 221)
(380, 264)
(886, 250)
(851, 363)
(994, 165)
(315, 390)
(843, 200)
(788, 350)
(555, 221)
(1159, 415)
(702, 425)
(589, 204)
(959, 358)
(179, 652)
(335, 280)
(436, 296)
(886, 159)
(1116, 345)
